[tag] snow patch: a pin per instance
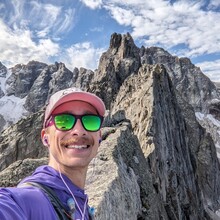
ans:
(214, 101)
(11, 108)
(209, 117)
(3, 80)
(199, 115)
(213, 120)
(218, 212)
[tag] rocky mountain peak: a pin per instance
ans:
(123, 45)
(116, 64)
(49, 80)
(153, 52)
(194, 86)
(115, 41)
(22, 78)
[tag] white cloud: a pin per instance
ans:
(66, 23)
(211, 69)
(27, 37)
(44, 18)
(51, 20)
(31, 30)
(17, 46)
(82, 55)
(123, 16)
(17, 12)
(93, 4)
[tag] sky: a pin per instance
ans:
(77, 32)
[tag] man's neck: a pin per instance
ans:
(77, 176)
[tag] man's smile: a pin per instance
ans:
(77, 143)
(77, 146)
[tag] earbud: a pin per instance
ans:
(100, 140)
(45, 141)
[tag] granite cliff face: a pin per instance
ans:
(194, 86)
(155, 161)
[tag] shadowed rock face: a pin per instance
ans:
(214, 108)
(22, 140)
(3, 70)
(155, 160)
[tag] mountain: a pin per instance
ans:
(156, 161)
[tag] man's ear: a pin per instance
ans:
(44, 138)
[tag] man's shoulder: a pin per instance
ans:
(24, 193)
(30, 199)
(25, 196)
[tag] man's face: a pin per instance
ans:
(74, 148)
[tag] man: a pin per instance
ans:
(71, 132)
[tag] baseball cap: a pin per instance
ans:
(73, 94)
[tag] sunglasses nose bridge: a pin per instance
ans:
(78, 128)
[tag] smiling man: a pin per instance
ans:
(71, 131)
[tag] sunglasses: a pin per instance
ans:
(66, 121)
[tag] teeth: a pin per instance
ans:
(77, 146)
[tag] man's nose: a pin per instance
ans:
(78, 129)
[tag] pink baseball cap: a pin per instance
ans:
(73, 94)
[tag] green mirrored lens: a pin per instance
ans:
(91, 122)
(64, 121)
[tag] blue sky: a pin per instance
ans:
(78, 32)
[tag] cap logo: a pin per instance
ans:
(69, 90)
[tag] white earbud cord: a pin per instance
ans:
(84, 209)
